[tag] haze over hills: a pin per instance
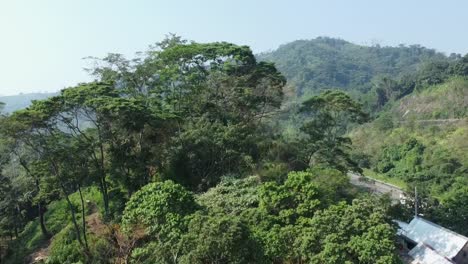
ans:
(311, 66)
(20, 101)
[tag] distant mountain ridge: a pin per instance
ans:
(314, 65)
(21, 101)
(329, 63)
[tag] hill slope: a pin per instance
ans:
(16, 102)
(421, 140)
(324, 63)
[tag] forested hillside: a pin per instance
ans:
(312, 66)
(198, 153)
(181, 165)
(421, 140)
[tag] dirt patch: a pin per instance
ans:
(41, 254)
(96, 226)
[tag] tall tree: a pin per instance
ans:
(216, 90)
(25, 130)
(110, 129)
(330, 114)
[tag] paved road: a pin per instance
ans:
(377, 186)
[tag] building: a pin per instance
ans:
(428, 243)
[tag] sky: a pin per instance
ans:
(43, 42)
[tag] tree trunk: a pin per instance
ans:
(18, 219)
(41, 210)
(83, 217)
(105, 198)
(40, 207)
(103, 182)
(72, 210)
(16, 230)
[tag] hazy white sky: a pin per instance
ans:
(42, 42)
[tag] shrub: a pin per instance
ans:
(158, 207)
(231, 196)
(159, 210)
(65, 248)
(219, 239)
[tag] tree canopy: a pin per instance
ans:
(192, 153)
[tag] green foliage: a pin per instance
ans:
(331, 113)
(207, 150)
(452, 211)
(199, 117)
(341, 233)
(219, 239)
(348, 233)
(189, 112)
(276, 223)
(442, 101)
(158, 208)
(159, 211)
(334, 185)
(302, 193)
(425, 146)
(401, 160)
(56, 219)
(222, 107)
(435, 163)
(231, 196)
(211, 98)
(297, 197)
(243, 221)
(65, 248)
(384, 121)
(432, 73)
(28, 241)
(460, 67)
(323, 63)
(165, 211)
(216, 238)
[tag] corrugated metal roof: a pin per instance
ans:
(403, 226)
(423, 254)
(445, 242)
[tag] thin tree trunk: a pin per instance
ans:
(104, 183)
(40, 208)
(83, 217)
(18, 220)
(72, 210)
(105, 196)
(18, 215)
(16, 230)
(41, 212)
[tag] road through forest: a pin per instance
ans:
(376, 186)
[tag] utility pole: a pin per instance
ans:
(415, 202)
